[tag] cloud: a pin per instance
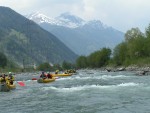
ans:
(121, 14)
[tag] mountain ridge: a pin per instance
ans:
(83, 37)
(23, 39)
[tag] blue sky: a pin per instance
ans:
(120, 14)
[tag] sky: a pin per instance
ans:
(120, 14)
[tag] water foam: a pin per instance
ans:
(89, 87)
(129, 84)
(113, 77)
(93, 77)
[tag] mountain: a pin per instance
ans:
(82, 37)
(23, 41)
(65, 19)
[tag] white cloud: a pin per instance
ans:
(121, 14)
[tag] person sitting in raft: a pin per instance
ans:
(3, 78)
(11, 78)
(43, 75)
(49, 76)
(66, 72)
(56, 72)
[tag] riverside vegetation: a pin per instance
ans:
(134, 50)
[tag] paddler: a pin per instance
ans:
(49, 75)
(56, 72)
(11, 78)
(43, 75)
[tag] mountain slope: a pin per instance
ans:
(24, 41)
(82, 37)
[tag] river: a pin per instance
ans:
(89, 91)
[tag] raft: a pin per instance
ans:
(41, 80)
(4, 87)
(12, 86)
(62, 74)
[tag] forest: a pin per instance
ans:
(134, 50)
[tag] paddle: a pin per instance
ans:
(21, 83)
(34, 78)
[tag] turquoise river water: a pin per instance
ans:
(89, 91)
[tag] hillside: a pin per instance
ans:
(82, 37)
(22, 40)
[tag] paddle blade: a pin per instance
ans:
(34, 78)
(21, 83)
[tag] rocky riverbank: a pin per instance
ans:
(139, 70)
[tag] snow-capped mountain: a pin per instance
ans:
(83, 37)
(96, 24)
(65, 19)
(70, 20)
(41, 18)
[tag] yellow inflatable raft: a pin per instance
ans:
(11, 86)
(46, 80)
(61, 74)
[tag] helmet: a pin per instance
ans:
(10, 73)
(57, 70)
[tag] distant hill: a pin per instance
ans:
(82, 37)
(22, 40)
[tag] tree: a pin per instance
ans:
(3, 60)
(135, 47)
(57, 67)
(44, 67)
(133, 34)
(135, 40)
(147, 41)
(95, 59)
(67, 65)
(81, 62)
(99, 58)
(102, 57)
(147, 31)
(120, 53)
